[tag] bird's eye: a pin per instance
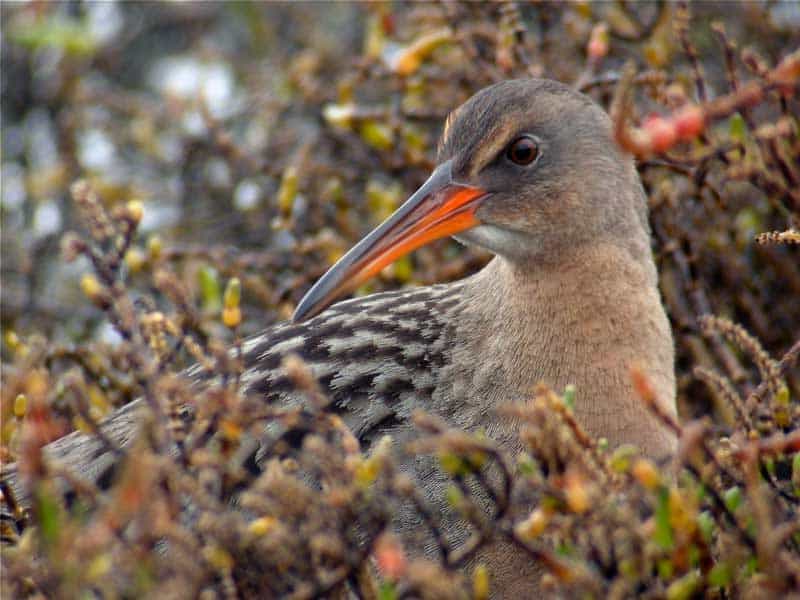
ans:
(523, 150)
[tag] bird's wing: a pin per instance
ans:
(376, 357)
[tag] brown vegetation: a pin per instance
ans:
(326, 130)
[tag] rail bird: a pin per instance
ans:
(527, 169)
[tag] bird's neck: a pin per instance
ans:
(583, 319)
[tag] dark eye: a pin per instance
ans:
(523, 150)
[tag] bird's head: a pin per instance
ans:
(526, 168)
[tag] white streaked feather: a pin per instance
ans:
(286, 346)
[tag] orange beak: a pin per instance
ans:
(439, 208)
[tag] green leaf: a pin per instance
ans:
(376, 134)
(453, 464)
(663, 533)
(629, 569)
(694, 555)
(233, 293)
(685, 587)
(732, 498)
(453, 496)
(387, 591)
(210, 289)
(665, 569)
(705, 522)
(72, 36)
(737, 128)
(402, 269)
(748, 223)
(719, 575)
(622, 457)
(751, 567)
(526, 465)
(569, 396)
(287, 192)
(701, 492)
(49, 515)
(565, 549)
(783, 396)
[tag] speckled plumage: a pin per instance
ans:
(369, 345)
(377, 357)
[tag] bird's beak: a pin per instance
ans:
(439, 208)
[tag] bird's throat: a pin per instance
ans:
(584, 320)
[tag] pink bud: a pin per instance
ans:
(391, 559)
(689, 122)
(663, 133)
(598, 42)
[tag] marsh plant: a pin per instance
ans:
(175, 176)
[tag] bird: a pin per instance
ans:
(527, 169)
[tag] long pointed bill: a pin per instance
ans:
(438, 209)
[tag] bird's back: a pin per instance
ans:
(377, 358)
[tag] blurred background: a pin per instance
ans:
(263, 139)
